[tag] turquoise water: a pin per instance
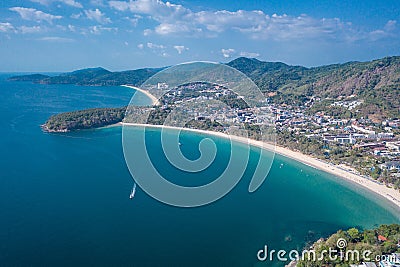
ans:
(64, 198)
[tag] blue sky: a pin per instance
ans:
(64, 35)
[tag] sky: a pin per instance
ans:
(65, 35)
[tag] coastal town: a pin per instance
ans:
(370, 149)
(204, 106)
(357, 145)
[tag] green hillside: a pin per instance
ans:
(383, 240)
(84, 119)
(376, 83)
(93, 77)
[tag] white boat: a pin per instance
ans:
(132, 195)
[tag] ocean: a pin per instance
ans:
(64, 198)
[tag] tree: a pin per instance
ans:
(370, 237)
(354, 234)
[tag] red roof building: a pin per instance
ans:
(381, 238)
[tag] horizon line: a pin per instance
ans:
(160, 67)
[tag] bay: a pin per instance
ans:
(64, 198)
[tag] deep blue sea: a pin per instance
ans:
(64, 198)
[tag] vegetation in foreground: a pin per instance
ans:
(383, 240)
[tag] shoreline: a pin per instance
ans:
(380, 189)
(154, 100)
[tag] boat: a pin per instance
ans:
(132, 195)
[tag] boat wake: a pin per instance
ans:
(132, 195)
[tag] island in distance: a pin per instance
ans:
(92, 77)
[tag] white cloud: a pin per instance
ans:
(155, 46)
(177, 19)
(147, 32)
(72, 28)
(168, 28)
(157, 49)
(97, 15)
(99, 29)
(387, 31)
(60, 28)
(67, 2)
(249, 54)
(42, 2)
(155, 8)
(227, 53)
(56, 39)
(6, 27)
(259, 25)
(34, 15)
(222, 20)
(390, 25)
(76, 16)
(97, 2)
(119, 5)
(72, 3)
(376, 35)
(28, 30)
(140, 46)
(180, 48)
(134, 20)
(172, 18)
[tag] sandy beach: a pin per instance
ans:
(341, 172)
(344, 173)
(153, 98)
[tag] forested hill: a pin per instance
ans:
(376, 83)
(93, 77)
(326, 81)
(84, 119)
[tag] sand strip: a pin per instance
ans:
(154, 100)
